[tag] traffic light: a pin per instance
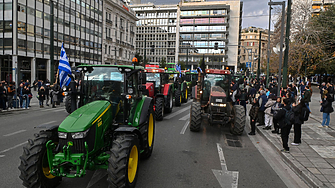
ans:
(152, 48)
(216, 46)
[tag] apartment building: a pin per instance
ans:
(156, 27)
(320, 5)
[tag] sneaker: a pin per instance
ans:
(295, 144)
(251, 133)
(327, 126)
(285, 151)
(27, 108)
(274, 131)
(321, 126)
(24, 107)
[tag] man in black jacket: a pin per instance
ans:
(285, 129)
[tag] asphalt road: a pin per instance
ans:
(181, 158)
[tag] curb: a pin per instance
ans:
(318, 120)
(308, 177)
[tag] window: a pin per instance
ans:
(21, 27)
(39, 48)
(1, 26)
(8, 26)
(31, 11)
(7, 43)
(46, 16)
(38, 14)
(1, 8)
(46, 49)
(22, 44)
(46, 33)
(30, 29)
(21, 8)
(8, 6)
(30, 46)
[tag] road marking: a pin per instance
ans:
(59, 110)
(17, 132)
(185, 117)
(2, 156)
(226, 178)
(177, 113)
(47, 123)
(185, 127)
(16, 146)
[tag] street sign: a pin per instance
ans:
(248, 64)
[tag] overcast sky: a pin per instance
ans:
(253, 11)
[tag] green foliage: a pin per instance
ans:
(182, 65)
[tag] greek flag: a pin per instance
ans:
(64, 69)
(178, 68)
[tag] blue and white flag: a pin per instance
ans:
(178, 68)
(64, 69)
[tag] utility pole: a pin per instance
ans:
(287, 41)
(186, 57)
(259, 55)
(268, 52)
(52, 61)
(145, 52)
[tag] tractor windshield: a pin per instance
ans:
(154, 77)
(217, 80)
(104, 83)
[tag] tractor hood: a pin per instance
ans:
(82, 119)
(217, 91)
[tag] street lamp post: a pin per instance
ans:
(287, 41)
(268, 50)
(52, 61)
(259, 55)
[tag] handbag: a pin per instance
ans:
(321, 109)
(30, 96)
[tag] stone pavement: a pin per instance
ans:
(314, 159)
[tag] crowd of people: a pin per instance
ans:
(280, 113)
(12, 97)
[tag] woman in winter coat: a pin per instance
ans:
(54, 94)
(285, 129)
(267, 112)
(274, 110)
(326, 104)
(253, 113)
(41, 96)
(297, 110)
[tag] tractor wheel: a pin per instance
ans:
(238, 122)
(68, 104)
(177, 98)
(159, 108)
(149, 135)
(195, 122)
(34, 166)
(123, 162)
(185, 98)
(168, 109)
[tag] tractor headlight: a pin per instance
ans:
(219, 105)
(188, 87)
(200, 91)
(223, 105)
(80, 135)
(130, 90)
(62, 135)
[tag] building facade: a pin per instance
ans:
(319, 5)
(156, 28)
(119, 35)
(250, 49)
(210, 30)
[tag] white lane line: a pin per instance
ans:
(185, 127)
(59, 110)
(47, 123)
(16, 146)
(2, 156)
(177, 113)
(185, 117)
(17, 132)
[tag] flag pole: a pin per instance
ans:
(57, 76)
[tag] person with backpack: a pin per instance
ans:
(326, 108)
(253, 113)
(285, 117)
(301, 114)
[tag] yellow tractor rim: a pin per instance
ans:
(186, 95)
(151, 130)
(180, 98)
(45, 168)
(132, 164)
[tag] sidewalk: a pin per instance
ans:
(314, 159)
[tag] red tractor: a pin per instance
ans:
(211, 96)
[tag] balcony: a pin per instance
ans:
(109, 21)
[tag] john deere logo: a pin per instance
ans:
(70, 143)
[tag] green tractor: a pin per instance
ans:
(212, 97)
(190, 77)
(113, 129)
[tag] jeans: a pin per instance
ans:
(325, 119)
(307, 104)
(25, 101)
(10, 101)
(41, 102)
(21, 101)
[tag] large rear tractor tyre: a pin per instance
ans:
(169, 104)
(238, 123)
(185, 98)
(149, 135)
(159, 108)
(177, 98)
(68, 104)
(34, 166)
(123, 162)
(195, 116)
